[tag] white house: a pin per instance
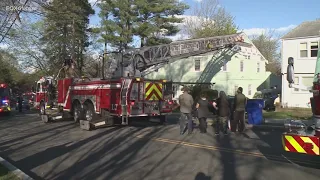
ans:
(302, 44)
(245, 68)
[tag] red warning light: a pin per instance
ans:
(3, 85)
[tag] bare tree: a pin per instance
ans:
(209, 19)
(268, 45)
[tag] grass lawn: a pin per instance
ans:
(294, 113)
(5, 174)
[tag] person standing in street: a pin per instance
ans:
(223, 113)
(240, 102)
(203, 112)
(185, 103)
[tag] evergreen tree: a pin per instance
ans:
(65, 33)
(118, 17)
(151, 20)
(156, 19)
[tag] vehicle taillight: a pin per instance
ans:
(170, 102)
(132, 103)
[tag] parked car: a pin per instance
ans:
(268, 95)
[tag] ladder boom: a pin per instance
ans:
(155, 57)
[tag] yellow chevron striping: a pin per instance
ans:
(284, 145)
(286, 148)
(315, 147)
(295, 144)
(153, 87)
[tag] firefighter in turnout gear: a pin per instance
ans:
(69, 67)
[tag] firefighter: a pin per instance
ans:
(240, 102)
(186, 105)
(68, 67)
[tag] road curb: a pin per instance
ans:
(15, 170)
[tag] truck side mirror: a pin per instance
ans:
(290, 71)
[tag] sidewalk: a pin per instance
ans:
(21, 175)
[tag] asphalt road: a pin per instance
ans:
(61, 150)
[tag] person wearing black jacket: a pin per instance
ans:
(203, 112)
(223, 108)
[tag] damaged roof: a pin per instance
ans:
(305, 29)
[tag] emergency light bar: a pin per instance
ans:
(5, 101)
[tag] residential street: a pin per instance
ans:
(61, 150)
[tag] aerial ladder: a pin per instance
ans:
(143, 61)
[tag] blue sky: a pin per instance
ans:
(253, 16)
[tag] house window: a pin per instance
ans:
(248, 57)
(303, 50)
(241, 66)
(314, 49)
(296, 81)
(224, 67)
(249, 90)
(307, 81)
(258, 66)
(197, 64)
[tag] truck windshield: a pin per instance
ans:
(4, 92)
(317, 70)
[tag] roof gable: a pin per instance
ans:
(305, 29)
(247, 40)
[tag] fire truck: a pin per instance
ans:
(303, 137)
(5, 94)
(123, 93)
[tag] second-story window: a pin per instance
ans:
(197, 64)
(241, 66)
(303, 50)
(258, 66)
(314, 49)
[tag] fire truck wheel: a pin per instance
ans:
(89, 112)
(76, 112)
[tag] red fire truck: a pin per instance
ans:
(5, 94)
(124, 94)
(301, 137)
